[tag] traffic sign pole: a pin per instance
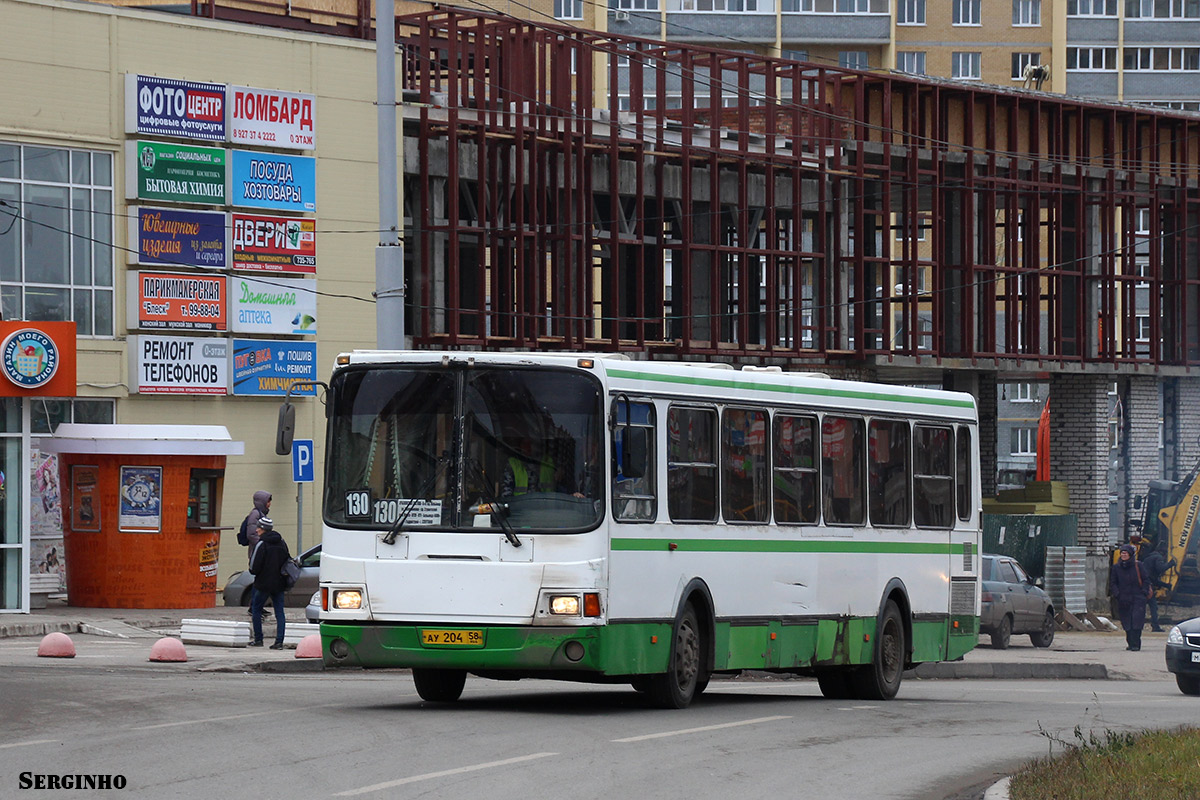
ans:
(302, 472)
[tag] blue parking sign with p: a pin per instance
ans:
(302, 461)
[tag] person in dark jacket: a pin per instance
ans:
(262, 507)
(1131, 587)
(266, 565)
(1155, 564)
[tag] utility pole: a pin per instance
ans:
(389, 255)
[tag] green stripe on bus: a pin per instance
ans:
(813, 391)
(774, 546)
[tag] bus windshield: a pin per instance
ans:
(458, 448)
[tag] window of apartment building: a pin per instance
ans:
(853, 59)
(966, 12)
(1178, 105)
(1163, 9)
(634, 5)
(1020, 392)
(794, 55)
(966, 66)
(1023, 441)
(47, 413)
(1028, 12)
(1163, 59)
(56, 236)
(910, 12)
(568, 9)
(719, 5)
(836, 6)
(1092, 59)
(1022, 60)
(1143, 327)
(902, 229)
(912, 62)
(1091, 8)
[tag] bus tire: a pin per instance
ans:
(676, 687)
(836, 684)
(880, 680)
(439, 685)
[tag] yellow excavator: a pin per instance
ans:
(1169, 526)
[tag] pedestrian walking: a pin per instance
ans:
(248, 535)
(1156, 564)
(1131, 588)
(266, 565)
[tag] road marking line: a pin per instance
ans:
(26, 744)
(701, 730)
(231, 716)
(375, 787)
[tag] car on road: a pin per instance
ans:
(1011, 602)
(237, 590)
(1183, 655)
(312, 612)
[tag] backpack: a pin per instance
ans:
(290, 571)
(243, 534)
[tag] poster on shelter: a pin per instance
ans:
(85, 499)
(141, 500)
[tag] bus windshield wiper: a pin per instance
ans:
(390, 536)
(501, 509)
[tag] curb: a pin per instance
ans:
(1010, 671)
(37, 628)
(998, 790)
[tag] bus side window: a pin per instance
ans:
(745, 466)
(933, 485)
(795, 483)
(635, 499)
(692, 464)
(890, 473)
(962, 466)
(843, 472)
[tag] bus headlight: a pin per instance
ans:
(347, 599)
(565, 605)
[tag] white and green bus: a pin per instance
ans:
(599, 519)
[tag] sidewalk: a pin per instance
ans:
(125, 636)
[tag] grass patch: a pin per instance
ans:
(1147, 765)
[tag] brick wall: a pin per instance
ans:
(1079, 451)
(1142, 458)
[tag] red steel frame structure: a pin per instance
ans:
(907, 218)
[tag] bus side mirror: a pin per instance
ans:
(286, 430)
(635, 451)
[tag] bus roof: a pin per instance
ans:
(711, 381)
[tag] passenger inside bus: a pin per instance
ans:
(528, 471)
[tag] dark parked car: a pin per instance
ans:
(1013, 603)
(237, 590)
(1183, 655)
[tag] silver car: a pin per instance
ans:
(237, 590)
(1012, 602)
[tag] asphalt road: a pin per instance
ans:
(244, 735)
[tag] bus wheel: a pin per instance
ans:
(836, 684)
(677, 686)
(439, 685)
(880, 680)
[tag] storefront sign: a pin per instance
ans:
(141, 500)
(273, 305)
(37, 359)
(274, 244)
(177, 302)
(273, 181)
(265, 367)
(178, 365)
(268, 118)
(166, 107)
(174, 172)
(178, 238)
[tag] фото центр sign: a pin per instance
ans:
(267, 118)
(178, 365)
(273, 244)
(167, 107)
(177, 173)
(178, 238)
